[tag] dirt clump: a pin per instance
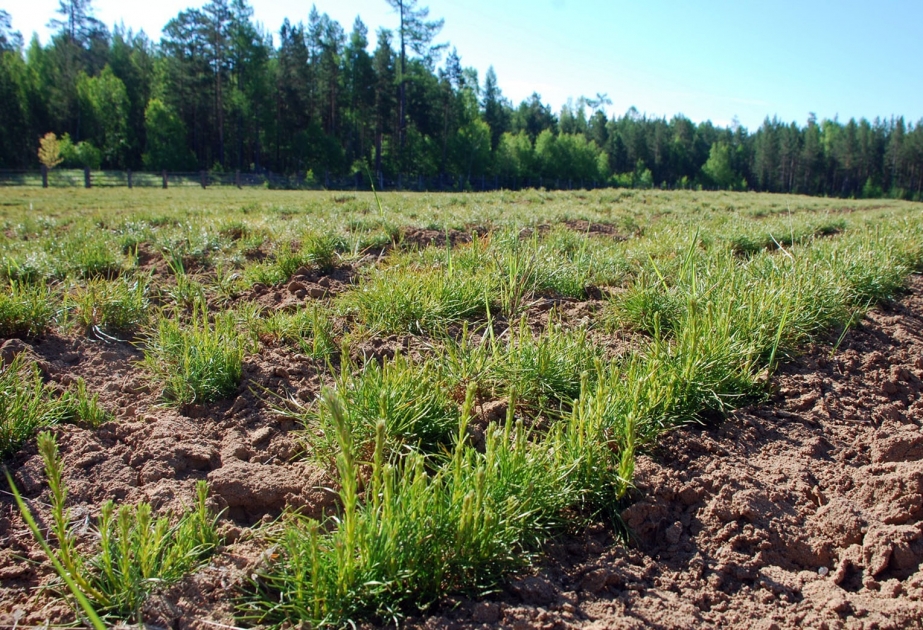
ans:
(305, 285)
(419, 238)
(597, 229)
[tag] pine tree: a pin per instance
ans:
(496, 108)
(10, 40)
(416, 33)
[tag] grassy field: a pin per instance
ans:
(537, 343)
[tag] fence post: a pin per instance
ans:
(237, 177)
(129, 179)
(164, 175)
(202, 175)
(87, 182)
(44, 176)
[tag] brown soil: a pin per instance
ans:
(244, 447)
(305, 285)
(602, 229)
(411, 237)
(805, 511)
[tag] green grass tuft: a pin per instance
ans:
(27, 404)
(408, 397)
(199, 362)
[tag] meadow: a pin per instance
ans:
(383, 401)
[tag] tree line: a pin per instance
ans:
(218, 92)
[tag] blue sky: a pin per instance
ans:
(707, 59)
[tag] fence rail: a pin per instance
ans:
(86, 178)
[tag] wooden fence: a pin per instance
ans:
(86, 178)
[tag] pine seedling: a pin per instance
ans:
(138, 553)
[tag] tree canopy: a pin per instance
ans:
(218, 91)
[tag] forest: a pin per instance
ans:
(218, 92)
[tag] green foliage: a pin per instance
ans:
(25, 309)
(84, 254)
(718, 169)
(409, 398)
(308, 329)
(545, 370)
(199, 362)
(104, 106)
(420, 535)
(317, 250)
(102, 306)
(514, 157)
(80, 155)
(138, 554)
(320, 250)
(166, 139)
(27, 404)
(645, 307)
(405, 299)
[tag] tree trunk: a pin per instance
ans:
(402, 127)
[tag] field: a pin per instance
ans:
(618, 408)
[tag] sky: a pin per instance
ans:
(718, 60)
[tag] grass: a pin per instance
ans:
(309, 329)
(421, 534)
(28, 404)
(197, 362)
(412, 300)
(25, 310)
(105, 308)
(314, 250)
(710, 293)
(730, 321)
(409, 398)
(542, 371)
(138, 554)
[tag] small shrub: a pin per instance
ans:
(119, 306)
(321, 250)
(647, 308)
(86, 255)
(408, 300)
(545, 371)
(308, 329)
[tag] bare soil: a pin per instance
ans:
(804, 511)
